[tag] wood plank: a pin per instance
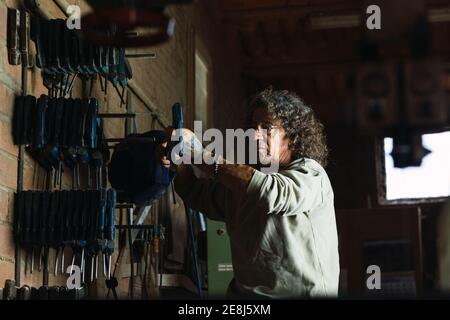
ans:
(342, 88)
(304, 58)
(230, 5)
(307, 88)
(252, 40)
(259, 14)
(274, 39)
(255, 4)
(290, 29)
(234, 5)
(326, 90)
(298, 2)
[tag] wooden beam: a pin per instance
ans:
(252, 39)
(307, 88)
(275, 42)
(354, 20)
(312, 54)
(267, 14)
(323, 16)
(290, 28)
(236, 5)
(299, 69)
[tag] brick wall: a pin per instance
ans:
(165, 80)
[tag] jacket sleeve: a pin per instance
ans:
(288, 192)
(204, 195)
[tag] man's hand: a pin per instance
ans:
(161, 150)
(160, 154)
(234, 176)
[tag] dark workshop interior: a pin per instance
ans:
(88, 87)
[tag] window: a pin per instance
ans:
(430, 180)
(201, 90)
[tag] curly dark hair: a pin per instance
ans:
(306, 133)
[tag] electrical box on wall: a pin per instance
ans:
(376, 96)
(425, 93)
(220, 268)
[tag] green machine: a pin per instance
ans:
(220, 268)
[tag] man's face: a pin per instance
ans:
(273, 145)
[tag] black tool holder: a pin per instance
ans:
(11, 291)
(56, 129)
(18, 33)
(75, 57)
(83, 219)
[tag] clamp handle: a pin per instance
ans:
(177, 123)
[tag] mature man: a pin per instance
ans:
(281, 225)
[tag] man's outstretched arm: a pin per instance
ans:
(204, 195)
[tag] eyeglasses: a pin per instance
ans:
(266, 126)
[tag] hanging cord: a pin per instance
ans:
(130, 244)
(198, 281)
(113, 279)
(145, 294)
(161, 257)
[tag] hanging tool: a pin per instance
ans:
(24, 293)
(110, 229)
(196, 262)
(14, 57)
(130, 245)
(27, 226)
(52, 225)
(43, 225)
(10, 290)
